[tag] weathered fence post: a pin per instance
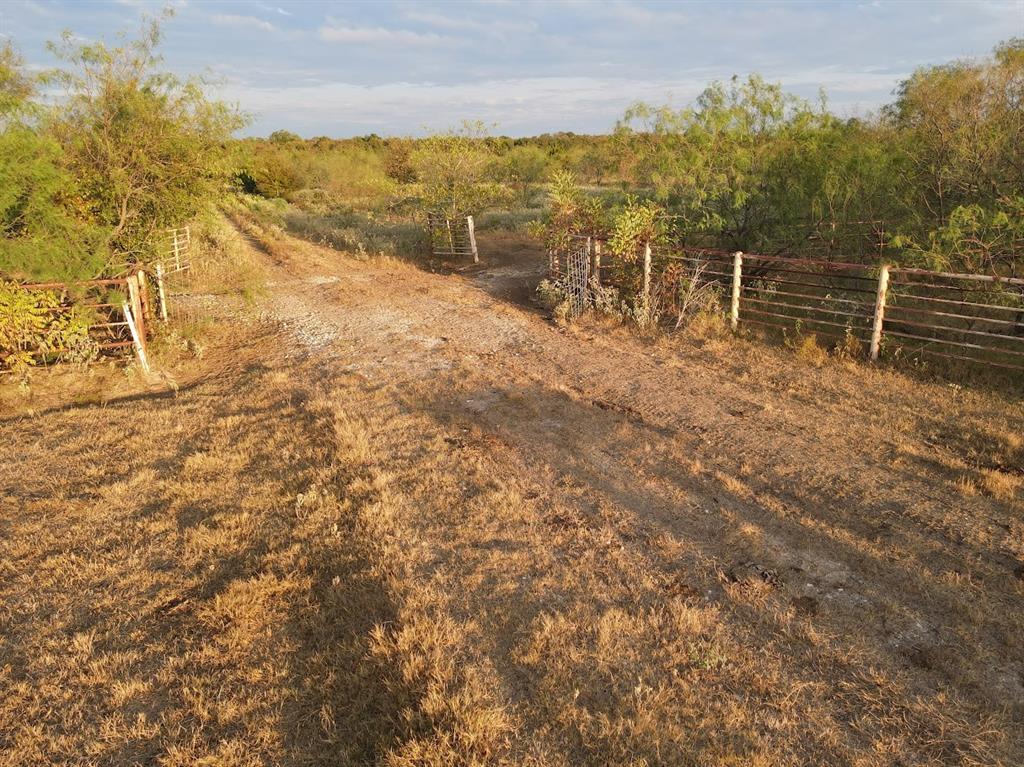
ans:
(161, 291)
(137, 337)
(472, 239)
(597, 262)
(135, 297)
(138, 317)
(647, 282)
(876, 328)
(737, 276)
(147, 307)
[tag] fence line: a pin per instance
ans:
(125, 305)
(893, 311)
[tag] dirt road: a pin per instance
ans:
(412, 522)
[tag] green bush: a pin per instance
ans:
(37, 325)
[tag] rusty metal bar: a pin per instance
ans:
(807, 308)
(1019, 339)
(954, 276)
(962, 344)
(971, 317)
(778, 326)
(812, 296)
(799, 319)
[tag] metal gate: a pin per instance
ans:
(577, 280)
(452, 237)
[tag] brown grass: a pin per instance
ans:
(388, 519)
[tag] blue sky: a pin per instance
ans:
(352, 68)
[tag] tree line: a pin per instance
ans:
(933, 179)
(89, 182)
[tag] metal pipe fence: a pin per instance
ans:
(891, 312)
(120, 309)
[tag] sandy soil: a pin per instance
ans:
(558, 545)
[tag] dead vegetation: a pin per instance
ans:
(410, 524)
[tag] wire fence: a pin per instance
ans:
(889, 312)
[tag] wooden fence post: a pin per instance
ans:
(161, 291)
(147, 306)
(597, 262)
(876, 328)
(451, 238)
(647, 283)
(737, 275)
(137, 338)
(135, 297)
(472, 239)
(138, 316)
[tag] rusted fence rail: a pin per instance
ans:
(115, 307)
(890, 312)
(119, 310)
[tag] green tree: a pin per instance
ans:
(455, 169)
(147, 148)
(744, 161)
(43, 235)
(522, 167)
(961, 129)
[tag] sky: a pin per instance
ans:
(403, 68)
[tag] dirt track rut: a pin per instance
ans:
(829, 479)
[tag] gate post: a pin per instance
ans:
(647, 284)
(472, 239)
(879, 321)
(737, 276)
(137, 336)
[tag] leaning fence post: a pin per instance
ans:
(876, 328)
(161, 291)
(137, 314)
(140, 348)
(134, 296)
(737, 275)
(472, 239)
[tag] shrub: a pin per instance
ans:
(38, 325)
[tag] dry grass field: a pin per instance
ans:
(389, 517)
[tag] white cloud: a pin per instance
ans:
(491, 26)
(337, 32)
(236, 20)
(518, 106)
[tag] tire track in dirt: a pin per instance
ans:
(878, 546)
